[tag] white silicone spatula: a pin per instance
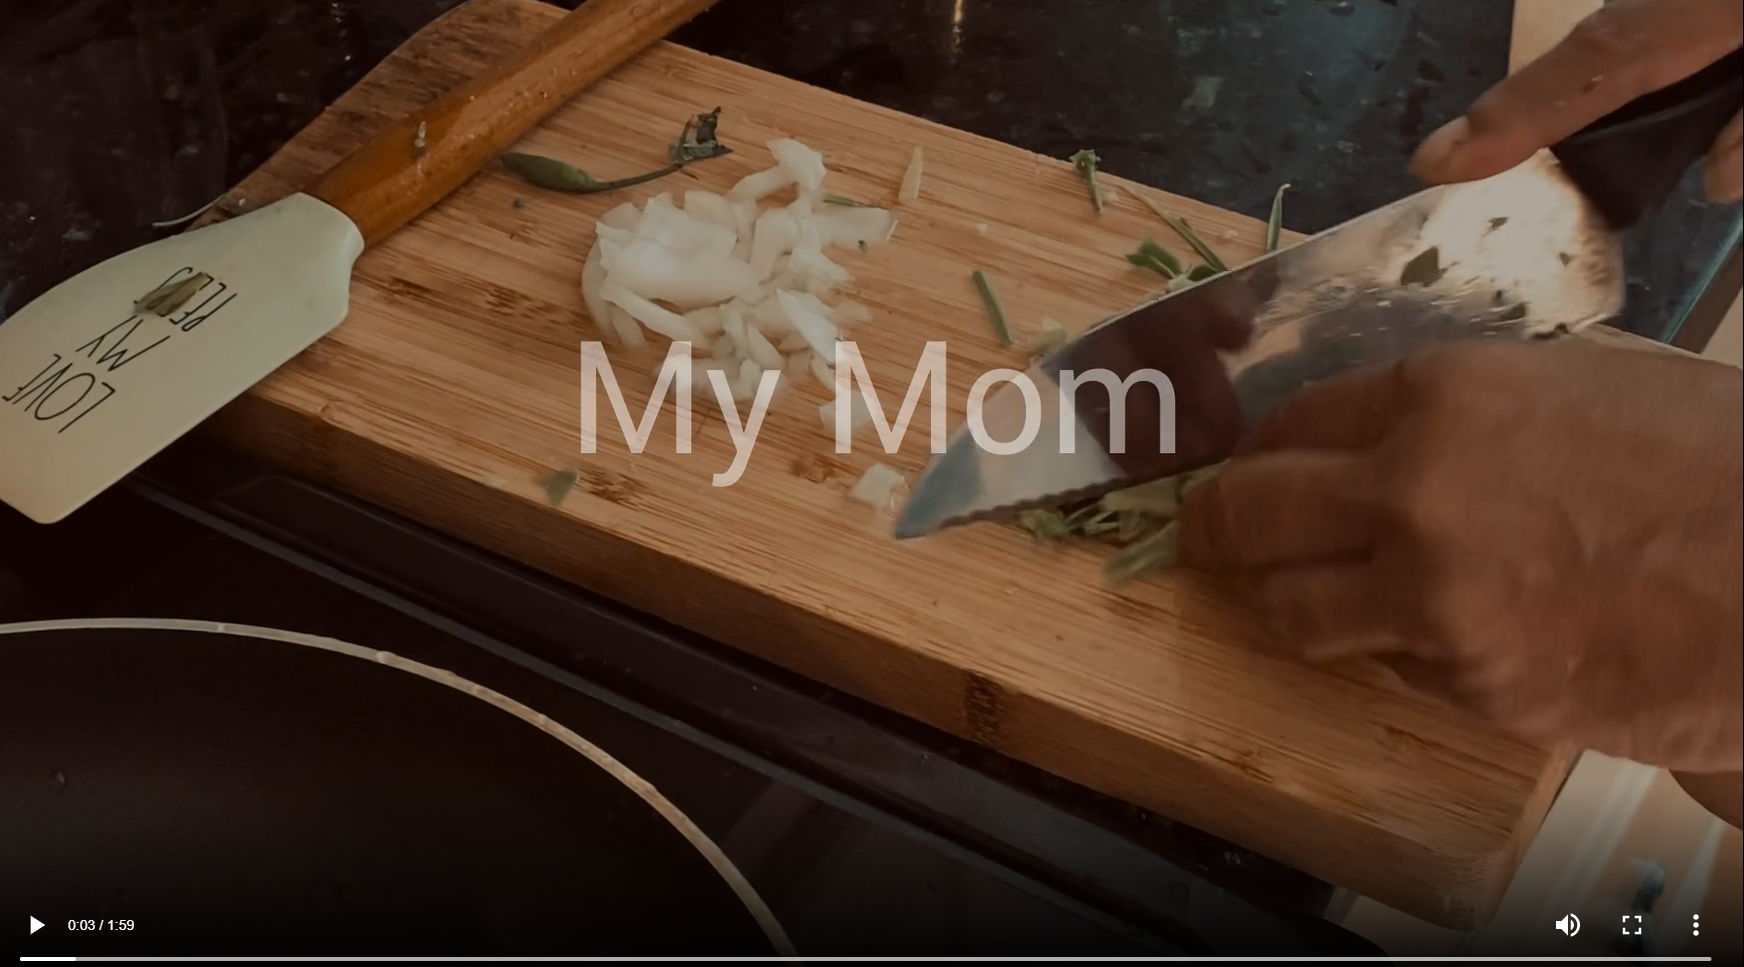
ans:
(114, 364)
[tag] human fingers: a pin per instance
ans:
(1627, 49)
(1279, 508)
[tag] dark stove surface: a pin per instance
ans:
(865, 834)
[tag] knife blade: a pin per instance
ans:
(1532, 254)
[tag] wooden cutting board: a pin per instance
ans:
(453, 388)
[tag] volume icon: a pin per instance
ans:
(1569, 925)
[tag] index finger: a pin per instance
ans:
(1627, 49)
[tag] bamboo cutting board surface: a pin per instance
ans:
(453, 388)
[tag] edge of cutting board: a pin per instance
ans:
(1458, 886)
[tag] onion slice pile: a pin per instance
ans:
(743, 276)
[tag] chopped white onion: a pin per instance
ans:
(683, 233)
(754, 187)
(773, 237)
(625, 326)
(822, 372)
(772, 318)
(707, 320)
(819, 332)
(744, 226)
(617, 236)
(623, 218)
(798, 364)
(815, 270)
(663, 321)
(654, 271)
(803, 165)
(699, 374)
(745, 387)
(710, 207)
(858, 414)
(878, 486)
(593, 276)
(733, 323)
(793, 342)
(847, 227)
(849, 311)
(911, 178)
(723, 347)
(815, 304)
(758, 348)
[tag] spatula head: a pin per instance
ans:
(92, 385)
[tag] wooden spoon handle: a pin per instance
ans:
(414, 164)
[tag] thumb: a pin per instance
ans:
(1627, 49)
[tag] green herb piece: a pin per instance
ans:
(171, 296)
(1424, 270)
(991, 301)
(696, 142)
(863, 248)
(1565, 257)
(1199, 273)
(1085, 161)
(558, 485)
(554, 175)
(1275, 224)
(831, 198)
(1185, 230)
(1160, 260)
(1198, 478)
(1496, 223)
(1146, 556)
(1046, 525)
(1160, 498)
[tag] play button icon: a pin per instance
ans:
(35, 924)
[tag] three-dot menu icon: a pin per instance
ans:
(1695, 924)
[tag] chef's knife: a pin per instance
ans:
(1171, 386)
(92, 385)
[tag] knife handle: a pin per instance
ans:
(398, 174)
(1631, 160)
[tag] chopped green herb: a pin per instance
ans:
(1275, 224)
(695, 143)
(1496, 223)
(1085, 161)
(1185, 230)
(171, 296)
(863, 248)
(1046, 525)
(558, 485)
(1145, 556)
(1159, 497)
(1565, 257)
(993, 310)
(1199, 273)
(1141, 520)
(1425, 269)
(1160, 260)
(831, 198)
